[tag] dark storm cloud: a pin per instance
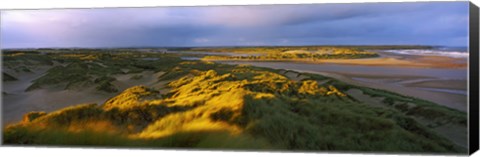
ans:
(431, 23)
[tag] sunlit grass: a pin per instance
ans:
(291, 53)
(131, 97)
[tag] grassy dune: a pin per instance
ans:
(292, 53)
(216, 106)
(79, 70)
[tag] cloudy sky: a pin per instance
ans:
(432, 23)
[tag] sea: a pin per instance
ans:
(455, 52)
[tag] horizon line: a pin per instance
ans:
(218, 46)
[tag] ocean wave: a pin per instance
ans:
(455, 54)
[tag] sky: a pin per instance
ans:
(418, 23)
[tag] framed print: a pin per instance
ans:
(395, 78)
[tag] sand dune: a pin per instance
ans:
(47, 100)
(17, 102)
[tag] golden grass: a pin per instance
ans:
(129, 98)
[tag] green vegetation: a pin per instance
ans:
(24, 62)
(94, 69)
(219, 106)
(104, 84)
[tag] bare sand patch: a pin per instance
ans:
(146, 78)
(17, 102)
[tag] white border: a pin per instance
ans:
(82, 152)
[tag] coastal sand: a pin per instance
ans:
(17, 101)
